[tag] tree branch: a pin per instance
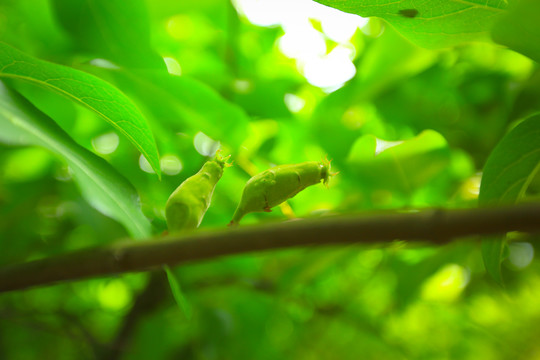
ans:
(434, 226)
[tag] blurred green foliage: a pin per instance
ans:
(270, 83)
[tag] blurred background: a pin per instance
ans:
(270, 82)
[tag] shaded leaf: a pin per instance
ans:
(115, 30)
(433, 23)
(184, 104)
(492, 253)
(519, 30)
(85, 89)
(177, 293)
(100, 184)
(202, 108)
(507, 173)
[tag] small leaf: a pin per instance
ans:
(432, 23)
(85, 89)
(101, 185)
(399, 166)
(506, 176)
(492, 253)
(519, 29)
(178, 295)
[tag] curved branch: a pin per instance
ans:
(434, 226)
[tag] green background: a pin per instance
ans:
(437, 110)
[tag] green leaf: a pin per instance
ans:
(512, 164)
(116, 30)
(202, 108)
(508, 172)
(184, 104)
(101, 185)
(399, 166)
(519, 30)
(178, 295)
(85, 89)
(389, 61)
(492, 253)
(432, 23)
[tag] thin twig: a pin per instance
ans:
(433, 226)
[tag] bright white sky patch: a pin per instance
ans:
(338, 25)
(260, 12)
(331, 71)
(303, 42)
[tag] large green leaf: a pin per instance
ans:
(519, 30)
(116, 30)
(101, 185)
(85, 89)
(507, 174)
(430, 23)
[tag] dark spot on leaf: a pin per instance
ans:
(410, 13)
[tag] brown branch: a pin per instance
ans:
(434, 226)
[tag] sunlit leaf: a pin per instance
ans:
(507, 173)
(433, 23)
(399, 166)
(85, 89)
(519, 29)
(100, 184)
